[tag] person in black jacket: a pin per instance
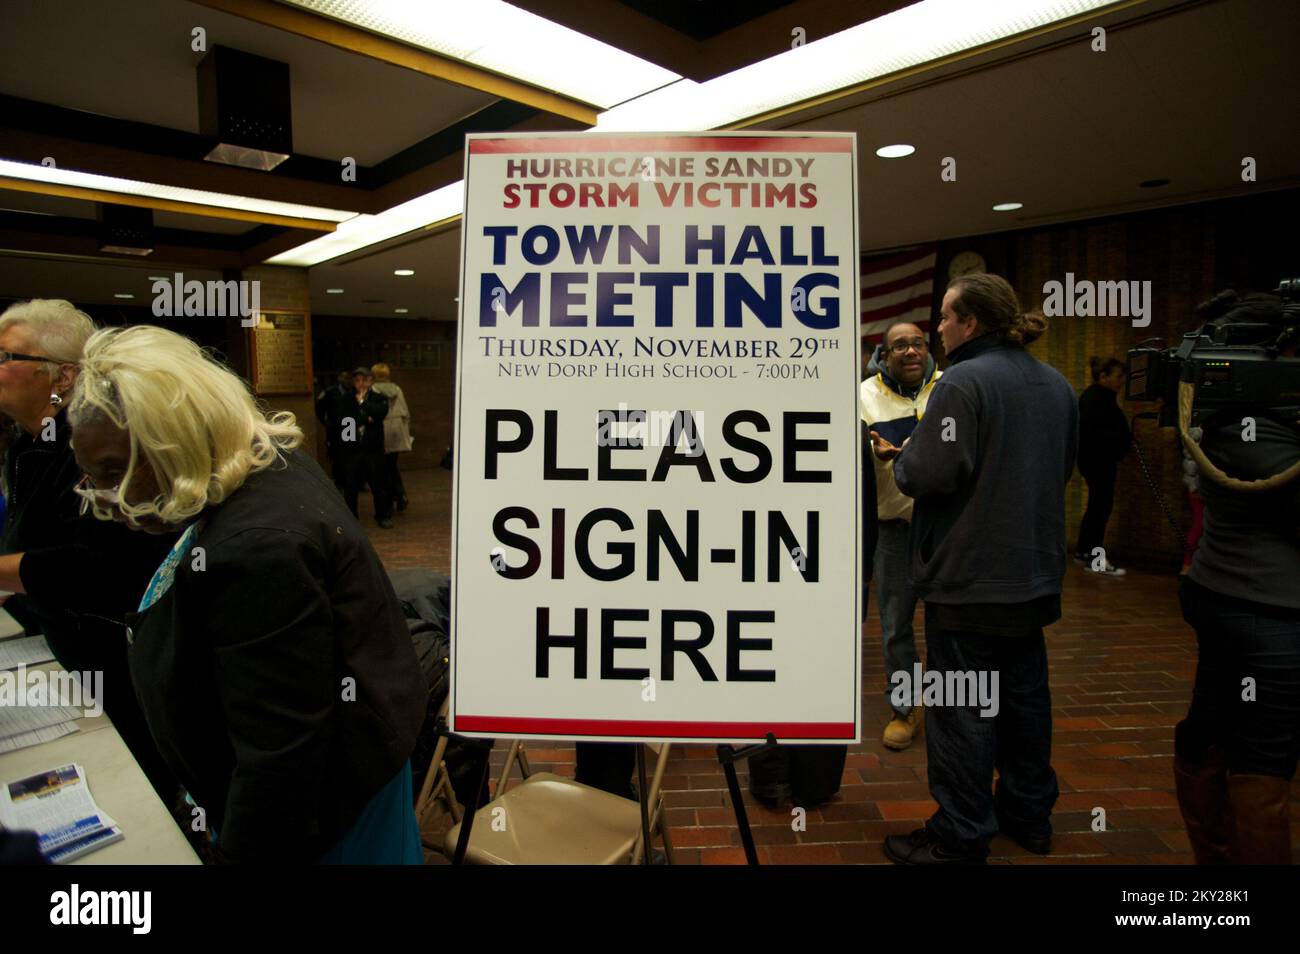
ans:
(1236, 752)
(329, 408)
(270, 654)
(809, 775)
(1104, 439)
(360, 443)
(987, 466)
(74, 578)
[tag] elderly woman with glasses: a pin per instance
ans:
(75, 577)
(270, 654)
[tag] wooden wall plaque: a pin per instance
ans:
(279, 351)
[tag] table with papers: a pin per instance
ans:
(116, 782)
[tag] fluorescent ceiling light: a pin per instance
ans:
(1008, 206)
(403, 271)
(897, 151)
(123, 295)
(400, 311)
(507, 40)
(917, 34)
(334, 291)
(365, 230)
(87, 180)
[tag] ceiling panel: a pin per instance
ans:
(140, 67)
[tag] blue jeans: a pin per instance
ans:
(1237, 639)
(897, 602)
(963, 748)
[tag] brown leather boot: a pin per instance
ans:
(1260, 833)
(1203, 797)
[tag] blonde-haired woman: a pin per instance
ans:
(270, 654)
(397, 431)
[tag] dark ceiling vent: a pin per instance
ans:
(244, 104)
(125, 230)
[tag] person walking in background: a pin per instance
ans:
(360, 442)
(987, 466)
(1104, 439)
(397, 433)
(329, 411)
(901, 376)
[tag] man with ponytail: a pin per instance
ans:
(987, 466)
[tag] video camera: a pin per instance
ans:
(1235, 360)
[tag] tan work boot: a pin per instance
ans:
(900, 732)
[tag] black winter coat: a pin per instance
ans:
(1104, 436)
(359, 427)
(277, 672)
(81, 577)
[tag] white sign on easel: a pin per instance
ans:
(657, 489)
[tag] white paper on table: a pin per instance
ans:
(15, 720)
(29, 650)
(56, 804)
(47, 733)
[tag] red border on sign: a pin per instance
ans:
(569, 728)
(665, 144)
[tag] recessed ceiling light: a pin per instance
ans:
(123, 295)
(334, 291)
(1153, 183)
(896, 151)
(400, 311)
(1008, 206)
(403, 271)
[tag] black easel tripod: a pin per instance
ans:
(728, 756)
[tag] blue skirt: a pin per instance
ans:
(386, 833)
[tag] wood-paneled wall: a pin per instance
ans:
(1188, 253)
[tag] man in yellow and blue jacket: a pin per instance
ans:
(898, 383)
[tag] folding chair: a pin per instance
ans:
(437, 798)
(549, 820)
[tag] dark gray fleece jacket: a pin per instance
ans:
(987, 466)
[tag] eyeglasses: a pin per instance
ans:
(85, 489)
(902, 347)
(7, 356)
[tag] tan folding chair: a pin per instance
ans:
(437, 798)
(549, 820)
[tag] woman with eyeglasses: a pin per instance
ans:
(269, 653)
(74, 578)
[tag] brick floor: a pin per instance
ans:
(1121, 660)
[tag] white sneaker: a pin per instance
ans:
(1109, 570)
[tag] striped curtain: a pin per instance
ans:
(899, 285)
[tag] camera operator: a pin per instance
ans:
(1236, 751)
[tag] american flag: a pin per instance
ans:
(899, 285)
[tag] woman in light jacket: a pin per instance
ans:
(397, 431)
